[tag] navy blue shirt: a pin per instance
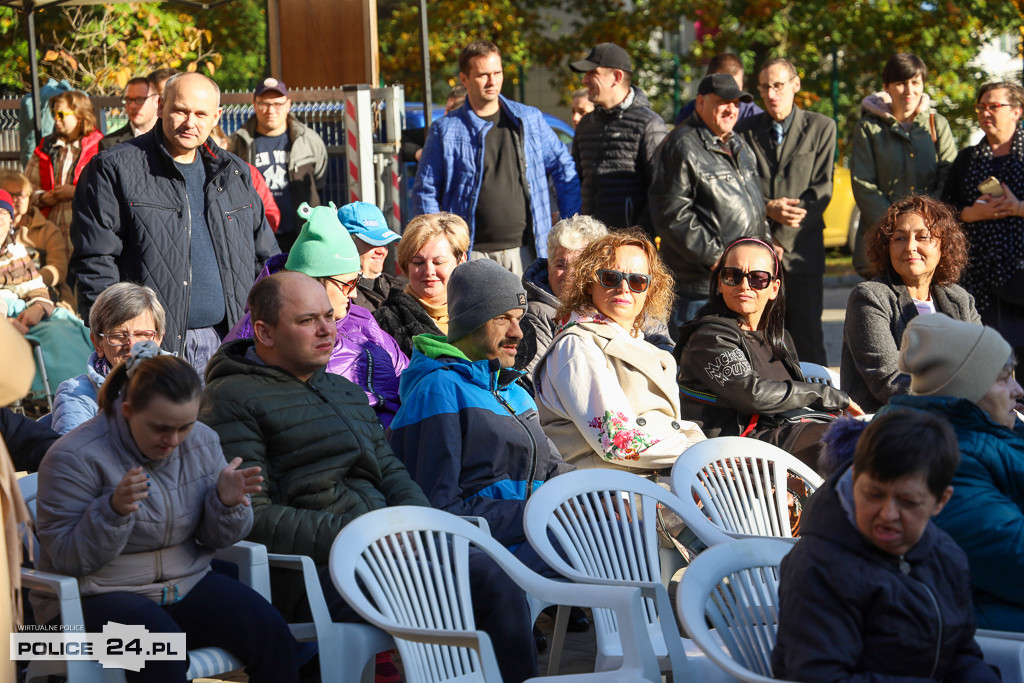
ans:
(206, 305)
(271, 159)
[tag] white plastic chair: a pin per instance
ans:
(741, 484)
(819, 373)
(345, 650)
(405, 570)
(605, 523)
(735, 587)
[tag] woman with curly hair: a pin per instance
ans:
(738, 373)
(607, 397)
(58, 161)
(917, 253)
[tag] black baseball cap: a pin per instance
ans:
(271, 85)
(608, 55)
(723, 85)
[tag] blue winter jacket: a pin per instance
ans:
(75, 400)
(986, 513)
(451, 168)
(470, 436)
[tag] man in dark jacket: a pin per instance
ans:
(467, 431)
(141, 108)
(705, 193)
(289, 154)
(795, 152)
(615, 144)
(175, 212)
(323, 454)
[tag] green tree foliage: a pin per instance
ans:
(98, 48)
(452, 23)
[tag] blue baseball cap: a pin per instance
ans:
(365, 221)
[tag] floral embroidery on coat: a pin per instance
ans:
(617, 441)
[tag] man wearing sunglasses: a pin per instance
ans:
(795, 151)
(705, 193)
(140, 107)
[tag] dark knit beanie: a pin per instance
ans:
(479, 291)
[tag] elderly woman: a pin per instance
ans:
(917, 253)
(134, 503)
(738, 374)
(606, 397)
(873, 591)
(432, 245)
(963, 373)
(901, 146)
(363, 353)
(57, 162)
(992, 212)
(369, 230)
(123, 314)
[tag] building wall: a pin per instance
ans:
(323, 43)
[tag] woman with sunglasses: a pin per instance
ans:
(58, 161)
(917, 253)
(363, 353)
(607, 397)
(986, 185)
(738, 374)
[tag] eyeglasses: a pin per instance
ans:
(758, 279)
(126, 338)
(902, 237)
(763, 88)
(991, 107)
(63, 114)
(345, 287)
(137, 101)
(267, 106)
(611, 279)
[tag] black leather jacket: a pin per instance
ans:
(720, 389)
(701, 199)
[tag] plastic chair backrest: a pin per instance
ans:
(741, 484)
(819, 373)
(406, 569)
(605, 525)
(735, 587)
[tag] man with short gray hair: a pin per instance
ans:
(173, 211)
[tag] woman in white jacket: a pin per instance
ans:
(607, 398)
(133, 504)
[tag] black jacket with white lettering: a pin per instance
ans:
(720, 389)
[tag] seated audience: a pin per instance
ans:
(134, 503)
(917, 253)
(607, 398)
(369, 230)
(738, 373)
(324, 455)
(963, 373)
(23, 294)
(873, 591)
(40, 235)
(363, 353)
(432, 245)
(122, 315)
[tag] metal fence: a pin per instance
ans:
(321, 109)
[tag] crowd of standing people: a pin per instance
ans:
(607, 305)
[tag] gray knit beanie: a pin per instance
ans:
(946, 357)
(479, 291)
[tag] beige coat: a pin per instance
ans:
(607, 399)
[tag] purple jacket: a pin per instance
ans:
(363, 353)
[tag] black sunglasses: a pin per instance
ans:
(611, 279)
(758, 279)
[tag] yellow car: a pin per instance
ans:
(841, 215)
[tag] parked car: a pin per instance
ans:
(841, 214)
